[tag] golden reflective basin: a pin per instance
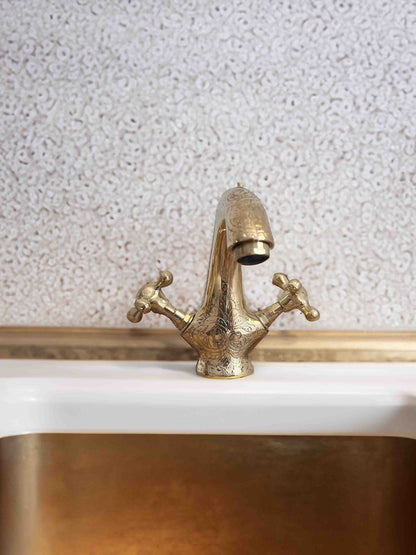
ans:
(102, 494)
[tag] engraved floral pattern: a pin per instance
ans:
(121, 124)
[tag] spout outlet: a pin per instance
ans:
(250, 253)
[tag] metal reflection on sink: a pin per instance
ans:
(206, 494)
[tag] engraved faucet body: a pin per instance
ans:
(223, 331)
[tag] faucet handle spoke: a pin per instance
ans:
(165, 279)
(134, 315)
(295, 296)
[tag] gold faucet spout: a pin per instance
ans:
(242, 235)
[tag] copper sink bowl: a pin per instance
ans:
(103, 494)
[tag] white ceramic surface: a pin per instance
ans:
(167, 397)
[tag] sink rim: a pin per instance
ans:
(281, 398)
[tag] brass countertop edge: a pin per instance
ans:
(159, 344)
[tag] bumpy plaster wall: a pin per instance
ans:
(123, 122)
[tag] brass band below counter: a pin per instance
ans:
(150, 344)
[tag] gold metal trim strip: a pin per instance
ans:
(148, 344)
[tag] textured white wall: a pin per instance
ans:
(123, 122)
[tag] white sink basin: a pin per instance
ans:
(142, 457)
(38, 396)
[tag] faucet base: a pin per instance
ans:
(226, 368)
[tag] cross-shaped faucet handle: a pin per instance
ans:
(295, 296)
(149, 297)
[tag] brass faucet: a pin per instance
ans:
(223, 331)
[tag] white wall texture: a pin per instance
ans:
(123, 122)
